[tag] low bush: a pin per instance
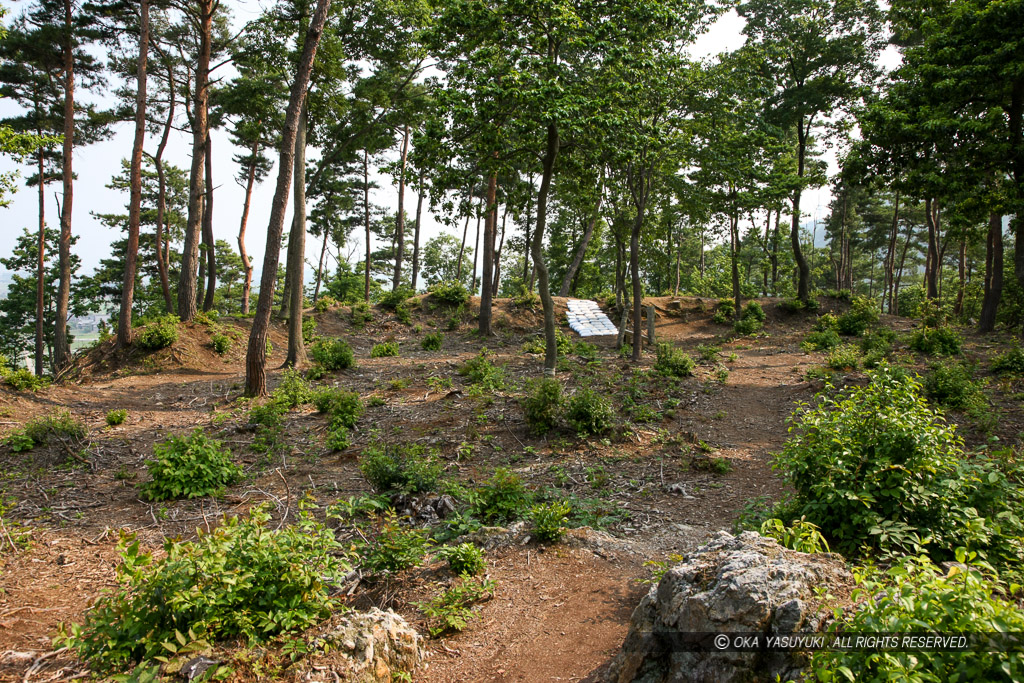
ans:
(708, 352)
(189, 467)
(549, 520)
(845, 358)
(116, 416)
(308, 330)
(538, 344)
(673, 362)
(503, 498)
(240, 580)
(464, 558)
(384, 350)
(432, 341)
(395, 298)
(325, 303)
(826, 322)
(60, 426)
(451, 293)
(361, 314)
(24, 379)
(293, 391)
(588, 412)
(543, 404)
(916, 596)
(343, 407)
(480, 371)
(396, 546)
(332, 354)
(801, 535)
(936, 341)
(821, 340)
(863, 313)
(452, 610)
(1009, 363)
(400, 468)
(158, 334)
(951, 384)
(220, 342)
(526, 299)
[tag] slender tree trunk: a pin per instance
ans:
(931, 273)
(803, 270)
(678, 249)
(416, 234)
(462, 248)
(246, 263)
(320, 267)
(620, 275)
(162, 256)
(890, 259)
(634, 267)
(497, 254)
(993, 274)
(548, 304)
(124, 318)
(400, 220)
(899, 271)
(211, 252)
(366, 219)
(190, 249)
(734, 253)
(476, 245)
(961, 272)
(775, 252)
(528, 244)
(41, 270)
(487, 277)
(256, 355)
(62, 349)
(581, 250)
(297, 249)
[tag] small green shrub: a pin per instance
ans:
(480, 371)
(708, 353)
(542, 404)
(549, 520)
(451, 293)
(526, 299)
(432, 341)
(396, 547)
(936, 341)
(24, 379)
(845, 358)
(673, 362)
(220, 342)
(916, 596)
(503, 498)
(801, 535)
(308, 330)
(116, 416)
(538, 344)
(158, 334)
(59, 425)
(241, 579)
(1009, 363)
(400, 468)
(189, 467)
(464, 558)
(403, 314)
(754, 310)
(588, 412)
(863, 313)
(727, 308)
(361, 314)
(826, 322)
(293, 391)
(332, 354)
(384, 350)
(395, 298)
(325, 303)
(746, 326)
(452, 610)
(822, 340)
(343, 407)
(951, 384)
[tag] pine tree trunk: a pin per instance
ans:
(487, 277)
(890, 259)
(320, 267)
(993, 274)
(297, 250)
(548, 304)
(256, 355)
(931, 273)
(366, 219)
(190, 249)
(162, 256)
(61, 347)
(211, 252)
(246, 262)
(497, 254)
(416, 235)
(41, 270)
(400, 219)
(803, 270)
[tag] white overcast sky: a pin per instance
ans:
(96, 164)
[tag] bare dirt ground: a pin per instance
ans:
(559, 612)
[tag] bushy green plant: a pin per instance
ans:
(1009, 363)
(343, 407)
(220, 342)
(395, 298)
(862, 314)
(801, 535)
(158, 334)
(464, 558)
(308, 330)
(480, 371)
(916, 596)
(59, 425)
(384, 350)
(451, 293)
(189, 467)
(361, 314)
(293, 391)
(821, 340)
(727, 309)
(826, 322)
(242, 579)
(432, 341)
(951, 384)
(936, 341)
(845, 358)
(24, 379)
(876, 466)
(116, 416)
(332, 354)
(526, 299)
(708, 352)
(751, 320)
(588, 412)
(404, 468)
(549, 520)
(325, 303)
(396, 546)
(538, 344)
(452, 610)
(753, 310)
(543, 404)
(502, 498)
(673, 361)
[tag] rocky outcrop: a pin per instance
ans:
(360, 647)
(733, 584)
